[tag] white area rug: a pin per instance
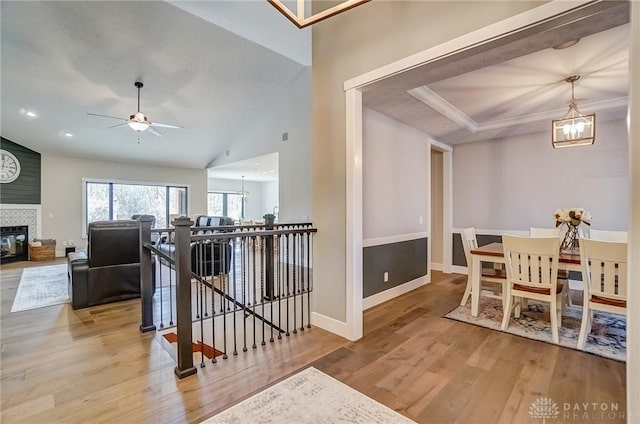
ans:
(309, 396)
(41, 286)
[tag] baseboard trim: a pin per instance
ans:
(393, 292)
(457, 269)
(437, 267)
(331, 325)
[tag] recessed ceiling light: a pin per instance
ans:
(566, 44)
(272, 171)
(256, 164)
(68, 134)
(264, 172)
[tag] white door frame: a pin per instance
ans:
(354, 216)
(447, 203)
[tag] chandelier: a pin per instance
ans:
(574, 129)
(298, 18)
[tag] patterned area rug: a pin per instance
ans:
(309, 396)
(41, 286)
(608, 336)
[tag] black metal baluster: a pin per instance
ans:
(161, 293)
(262, 289)
(235, 295)
(279, 272)
(171, 305)
(253, 251)
(273, 293)
(288, 260)
(309, 280)
(213, 324)
(223, 252)
(302, 281)
(201, 306)
(244, 260)
(295, 251)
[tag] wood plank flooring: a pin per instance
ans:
(93, 365)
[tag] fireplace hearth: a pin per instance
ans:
(14, 243)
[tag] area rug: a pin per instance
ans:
(608, 336)
(309, 396)
(41, 286)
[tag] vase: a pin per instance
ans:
(570, 242)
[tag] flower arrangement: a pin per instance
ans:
(575, 217)
(572, 218)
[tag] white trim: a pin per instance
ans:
(437, 267)
(332, 325)
(487, 232)
(433, 100)
(633, 271)
(354, 214)
(378, 241)
(447, 210)
(466, 41)
(440, 146)
(457, 269)
(394, 292)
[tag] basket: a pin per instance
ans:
(42, 253)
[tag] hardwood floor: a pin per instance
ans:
(93, 365)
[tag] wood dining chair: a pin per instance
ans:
(532, 273)
(604, 265)
(563, 274)
(494, 278)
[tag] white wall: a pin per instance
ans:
(518, 182)
(62, 190)
(395, 177)
(259, 198)
(270, 196)
(290, 112)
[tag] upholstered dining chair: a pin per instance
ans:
(494, 276)
(606, 235)
(604, 265)
(532, 273)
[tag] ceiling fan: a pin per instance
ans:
(139, 121)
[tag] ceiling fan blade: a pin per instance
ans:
(161, 125)
(154, 131)
(105, 116)
(119, 125)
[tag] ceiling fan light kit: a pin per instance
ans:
(574, 129)
(139, 121)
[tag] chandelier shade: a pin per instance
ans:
(574, 129)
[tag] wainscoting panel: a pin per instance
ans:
(404, 261)
(458, 251)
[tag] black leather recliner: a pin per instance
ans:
(209, 257)
(110, 270)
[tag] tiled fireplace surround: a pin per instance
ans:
(29, 215)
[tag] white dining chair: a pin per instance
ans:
(544, 232)
(562, 274)
(532, 273)
(495, 276)
(604, 265)
(606, 235)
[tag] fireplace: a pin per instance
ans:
(14, 243)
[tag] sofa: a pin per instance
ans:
(209, 257)
(110, 270)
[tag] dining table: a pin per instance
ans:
(494, 252)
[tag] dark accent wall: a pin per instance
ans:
(404, 261)
(458, 251)
(26, 188)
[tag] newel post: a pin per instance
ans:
(184, 327)
(146, 276)
(269, 268)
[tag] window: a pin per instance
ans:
(225, 204)
(119, 200)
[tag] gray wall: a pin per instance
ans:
(62, 190)
(289, 111)
(404, 261)
(345, 46)
(493, 192)
(26, 188)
